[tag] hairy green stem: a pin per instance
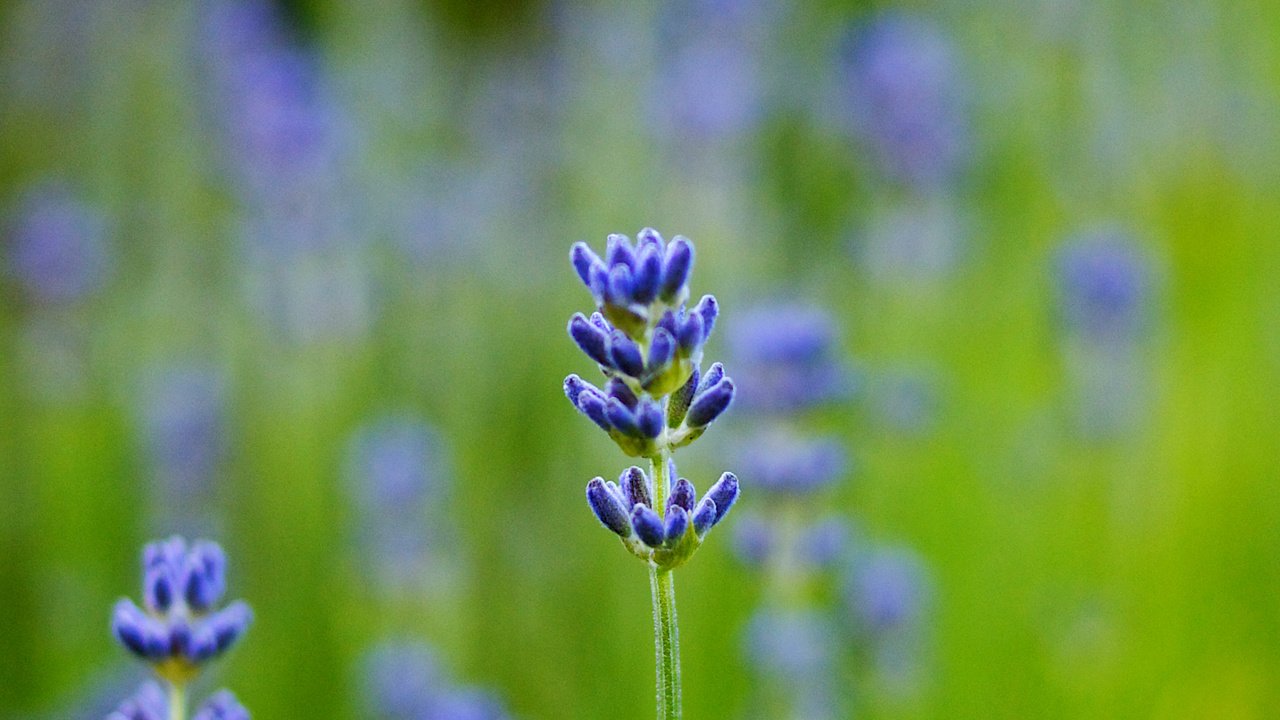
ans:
(177, 702)
(666, 632)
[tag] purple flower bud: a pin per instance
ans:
(157, 589)
(205, 576)
(668, 322)
(709, 405)
(204, 644)
(662, 349)
(709, 310)
(676, 525)
(618, 388)
(620, 285)
(648, 525)
(619, 252)
(713, 376)
(635, 485)
(704, 516)
(676, 268)
(597, 319)
(584, 261)
(608, 508)
(592, 404)
(573, 387)
(590, 339)
(179, 638)
(691, 333)
(134, 629)
(622, 418)
(626, 354)
(725, 494)
(650, 420)
(229, 624)
(599, 284)
(678, 404)
(648, 274)
(682, 495)
(649, 237)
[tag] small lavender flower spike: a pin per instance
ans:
(1104, 286)
(148, 703)
(222, 706)
(178, 630)
(649, 342)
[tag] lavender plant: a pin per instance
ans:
(179, 629)
(1104, 288)
(402, 681)
(655, 399)
(787, 355)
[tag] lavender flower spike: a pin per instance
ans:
(649, 345)
(178, 630)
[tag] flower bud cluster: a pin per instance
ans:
(179, 628)
(627, 508)
(655, 398)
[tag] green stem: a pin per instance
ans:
(666, 632)
(177, 702)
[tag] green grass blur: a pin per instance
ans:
(1133, 578)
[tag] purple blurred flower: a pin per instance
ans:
(787, 358)
(398, 473)
(59, 249)
(887, 590)
(149, 702)
(183, 419)
(907, 99)
(290, 157)
(400, 680)
(784, 462)
(1104, 285)
(792, 644)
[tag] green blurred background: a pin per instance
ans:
(414, 261)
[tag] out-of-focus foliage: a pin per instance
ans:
(256, 259)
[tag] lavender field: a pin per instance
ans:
(970, 311)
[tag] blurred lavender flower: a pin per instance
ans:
(711, 62)
(290, 158)
(786, 353)
(398, 473)
(402, 681)
(792, 644)
(783, 461)
(148, 703)
(178, 630)
(1103, 286)
(907, 99)
(59, 249)
(887, 590)
(183, 418)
